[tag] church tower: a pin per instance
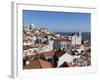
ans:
(77, 39)
(80, 38)
(31, 26)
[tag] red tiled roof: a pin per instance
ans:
(63, 39)
(38, 63)
(49, 53)
(66, 64)
(76, 46)
(59, 53)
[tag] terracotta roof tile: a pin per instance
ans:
(49, 53)
(59, 53)
(66, 64)
(76, 46)
(38, 63)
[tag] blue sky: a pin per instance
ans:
(58, 21)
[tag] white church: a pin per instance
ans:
(77, 39)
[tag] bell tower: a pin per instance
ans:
(80, 37)
(31, 26)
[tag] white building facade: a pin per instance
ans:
(77, 39)
(65, 58)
